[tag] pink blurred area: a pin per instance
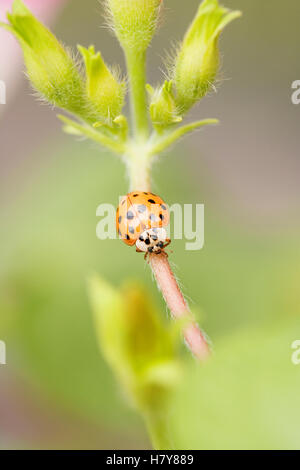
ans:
(10, 52)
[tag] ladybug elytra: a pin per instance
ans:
(140, 219)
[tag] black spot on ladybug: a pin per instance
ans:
(119, 219)
(141, 208)
(131, 229)
(161, 217)
(127, 237)
(146, 193)
(150, 249)
(120, 233)
(130, 215)
(151, 201)
(147, 241)
(141, 238)
(154, 237)
(135, 195)
(163, 207)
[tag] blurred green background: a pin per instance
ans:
(55, 391)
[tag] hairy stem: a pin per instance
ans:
(138, 160)
(138, 165)
(173, 296)
(136, 65)
(139, 175)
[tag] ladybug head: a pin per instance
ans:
(152, 240)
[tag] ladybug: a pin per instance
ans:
(140, 219)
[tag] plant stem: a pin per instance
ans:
(138, 165)
(173, 296)
(139, 174)
(157, 428)
(136, 66)
(137, 158)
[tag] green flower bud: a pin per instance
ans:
(134, 21)
(197, 61)
(104, 92)
(140, 349)
(50, 68)
(163, 108)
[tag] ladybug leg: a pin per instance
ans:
(146, 255)
(168, 241)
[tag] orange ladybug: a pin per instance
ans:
(140, 219)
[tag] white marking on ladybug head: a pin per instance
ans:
(152, 240)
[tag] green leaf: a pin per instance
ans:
(122, 124)
(245, 397)
(135, 342)
(141, 350)
(173, 136)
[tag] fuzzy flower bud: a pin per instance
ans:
(197, 61)
(134, 21)
(104, 92)
(50, 68)
(140, 349)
